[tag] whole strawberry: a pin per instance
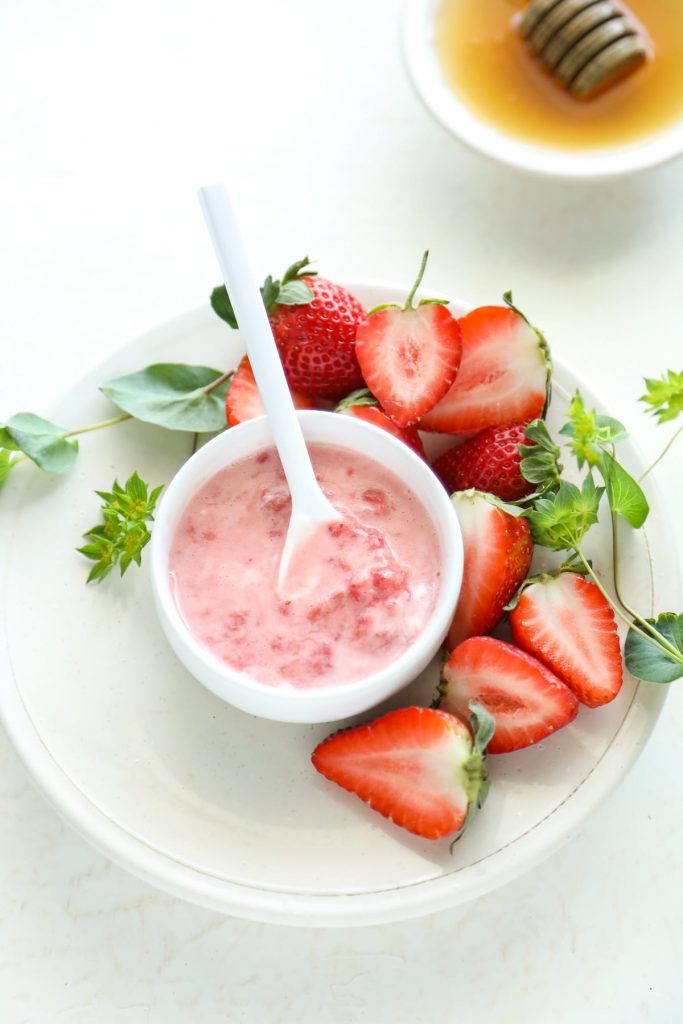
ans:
(487, 462)
(314, 324)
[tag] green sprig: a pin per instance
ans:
(123, 533)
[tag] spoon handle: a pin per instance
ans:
(261, 349)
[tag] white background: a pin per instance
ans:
(111, 116)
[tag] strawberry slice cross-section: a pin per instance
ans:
(526, 700)
(423, 769)
(566, 622)
(503, 378)
(409, 355)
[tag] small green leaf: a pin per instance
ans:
(294, 293)
(665, 396)
(646, 661)
(222, 306)
(624, 495)
(590, 433)
(299, 269)
(6, 440)
(44, 442)
(269, 292)
(360, 397)
(483, 726)
(172, 395)
(5, 465)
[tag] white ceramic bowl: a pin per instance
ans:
(460, 120)
(324, 704)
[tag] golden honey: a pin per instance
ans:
(491, 69)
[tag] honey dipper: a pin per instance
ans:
(587, 45)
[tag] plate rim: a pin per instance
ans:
(275, 906)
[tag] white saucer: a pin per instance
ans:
(207, 802)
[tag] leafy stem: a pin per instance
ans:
(615, 565)
(661, 454)
(97, 426)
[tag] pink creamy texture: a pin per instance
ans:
(361, 592)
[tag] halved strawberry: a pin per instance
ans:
(243, 401)
(565, 622)
(409, 356)
(503, 377)
(421, 768)
(364, 406)
(497, 554)
(525, 699)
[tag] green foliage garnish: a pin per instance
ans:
(540, 461)
(173, 395)
(363, 396)
(664, 396)
(624, 494)
(590, 434)
(123, 532)
(290, 291)
(43, 442)
(5, 464)
(559, 521)
(646, 660)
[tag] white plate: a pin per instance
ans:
(461, 121)
(212, 804)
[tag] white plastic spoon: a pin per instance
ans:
(310, 507)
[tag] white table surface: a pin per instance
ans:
(111, 116)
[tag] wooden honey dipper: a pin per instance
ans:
(587, 45)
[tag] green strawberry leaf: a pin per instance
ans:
(483, 726)
(646, 661)
(172, 395)
(360, 397)
(294, 293)
(665, 396)
(222, 306)
(540, 460)
(590, 433)
(43, 442)
(559, 521)
(624, 494)
(299, 269)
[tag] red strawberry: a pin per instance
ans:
(498, 549)
(363, 406)
(526, 700)
(503, 376)
(314, 323)
(243, 401)
(409, 355)
(489, 462)
(419, 767)
(566, 623)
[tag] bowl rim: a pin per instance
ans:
(459, 120)
(182, 487)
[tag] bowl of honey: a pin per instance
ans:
(573, 89)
